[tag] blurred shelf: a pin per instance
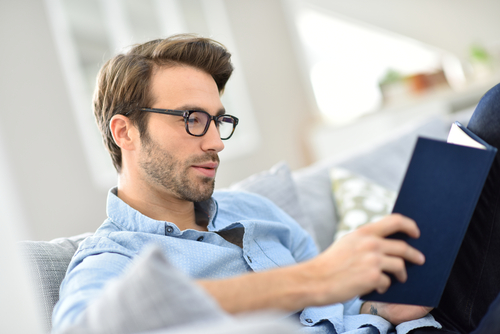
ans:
(328, 140)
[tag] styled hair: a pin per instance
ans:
(123, 83)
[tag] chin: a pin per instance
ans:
(203, 192)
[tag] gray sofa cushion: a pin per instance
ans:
(48, 261)
(316, 199)
(386, 163)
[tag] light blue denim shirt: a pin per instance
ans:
(246, 232)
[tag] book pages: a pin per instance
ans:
(458, 137)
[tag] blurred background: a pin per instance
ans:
(314, 79)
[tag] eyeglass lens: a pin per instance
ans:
(199, 121)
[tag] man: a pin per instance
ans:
(159, 110)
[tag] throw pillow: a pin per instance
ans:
(358, 200)
(151, 295)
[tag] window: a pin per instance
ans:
(347, 61)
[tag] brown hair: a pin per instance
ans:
(123, 83)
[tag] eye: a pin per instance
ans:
(194, 119)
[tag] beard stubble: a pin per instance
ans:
(164, 170)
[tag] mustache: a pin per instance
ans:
(207, 157)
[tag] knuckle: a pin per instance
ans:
(407, 251)
(386, 281)
(372, 260)
(383, 284)
(400, 221)
(397, 216)
(373, 276)
(370, 244)
(400, 265)
(404, 250)
(401, 246)
(362, 230)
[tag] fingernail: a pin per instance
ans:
(422, 258)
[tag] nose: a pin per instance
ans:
(211, 139)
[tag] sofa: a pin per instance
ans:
(328, 199)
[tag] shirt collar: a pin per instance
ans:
(132, 220)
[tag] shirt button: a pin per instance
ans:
(249, 259)
(309, 321)
(169, 229)
(200, 238)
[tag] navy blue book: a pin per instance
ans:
(440, 191)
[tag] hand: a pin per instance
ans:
(395, 313)
(357, 263)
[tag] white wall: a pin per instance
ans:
(42, 145)
(451, 25)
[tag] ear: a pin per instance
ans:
(125, 134)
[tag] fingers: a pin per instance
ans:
(390, 255)
(395, 266)
(401, 249)
(367, 253)
(392, 224)
(384, 284)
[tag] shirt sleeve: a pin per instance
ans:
(353, 306)
(303, 246)
(88, 273)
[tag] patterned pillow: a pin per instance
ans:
(358, 200)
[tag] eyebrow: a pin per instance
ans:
(221, 111)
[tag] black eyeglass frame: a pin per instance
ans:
(187, 113)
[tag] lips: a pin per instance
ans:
(208, 169)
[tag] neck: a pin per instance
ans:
(158, 204)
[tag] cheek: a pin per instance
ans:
(177, 148)
(161, 125)
(172, 139)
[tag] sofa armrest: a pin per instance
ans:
(47, 262)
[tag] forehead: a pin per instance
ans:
(178, 86)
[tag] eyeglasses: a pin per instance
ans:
(197, 121)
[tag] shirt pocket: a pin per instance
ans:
(276, 252)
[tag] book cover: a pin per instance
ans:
(440, 190)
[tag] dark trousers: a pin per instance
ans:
(471, 300)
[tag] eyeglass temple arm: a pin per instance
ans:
(165, 111)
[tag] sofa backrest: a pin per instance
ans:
(47, 262)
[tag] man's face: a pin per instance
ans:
(170, 159)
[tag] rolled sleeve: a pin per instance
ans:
(353, 306)
(355, 322)
(313, 316)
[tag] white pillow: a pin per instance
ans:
(358, 200)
